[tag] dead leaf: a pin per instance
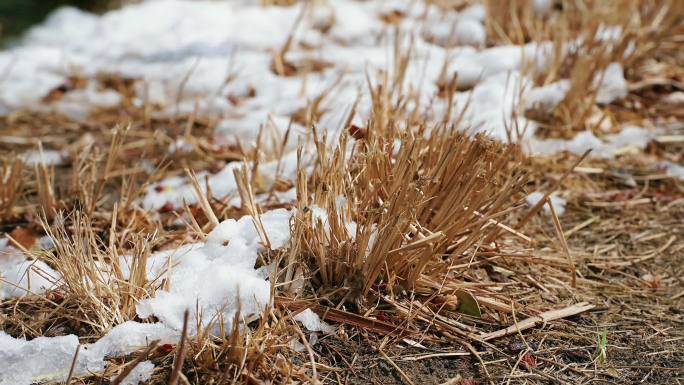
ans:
(25, 237)
(468, 304)
(529, 361)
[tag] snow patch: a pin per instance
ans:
(630, 138)
(312, 322)
(611, 84)
(557, 202)
(46, 157)
(674, 170)
(20, 277)
(142, 372)
(216, 278)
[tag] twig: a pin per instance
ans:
(202, 199)
(477, 355)
(542, 318)
(564, 243)
(436, 355)
(73, 365)
(180, 355)
(311, 354)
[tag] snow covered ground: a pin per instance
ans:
(200, 54)
(189, 54)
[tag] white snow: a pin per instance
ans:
(456, 31)
(46, 157)
(557, 202)
(674, 170)
(142, 372)
(176, 190)
(212, 280)
(215, 276)
(195, 54)
(312, 322)
(48, 359)
(631, 137)
(547, 97)
(20, 277)
(611, 84)
(77, 104)
(41, 359)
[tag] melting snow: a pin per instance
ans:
(557, 202)
(46, 157)
(142, 372)
(216, 278)
(20, 277)
(674, 170)
(312, 322)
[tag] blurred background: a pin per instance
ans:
(16, 16)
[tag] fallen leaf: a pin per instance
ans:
(529, 361)
(357, 132)
(468, 304)
(25, 237)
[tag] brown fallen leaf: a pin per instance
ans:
(468, 304)
(24, 237)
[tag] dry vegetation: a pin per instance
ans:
(448, 276)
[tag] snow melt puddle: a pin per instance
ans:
(210, 279)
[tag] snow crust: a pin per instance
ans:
(45, 359)
(312, 322)
(142, 372)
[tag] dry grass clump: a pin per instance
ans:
(416, 202)
(93, 275)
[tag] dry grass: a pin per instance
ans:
(585, 37)
(443, 261)
(417, 203)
